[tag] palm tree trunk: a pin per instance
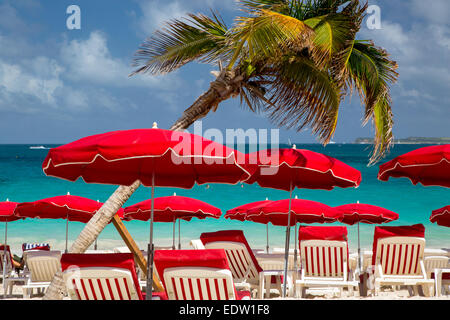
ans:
(225, 86)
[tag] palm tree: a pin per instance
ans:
(294, 60)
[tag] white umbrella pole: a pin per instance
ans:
(150, 248)
(67, 231)
(267, 231)
(4, 259)
(359, 251)
(286, 247)
(173, 233)
(179, 234)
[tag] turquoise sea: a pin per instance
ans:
(22, 179)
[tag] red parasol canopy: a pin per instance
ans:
(429, 166)
(240, 213)
(365, 213)
(303, 168)
(176, 159)
(7, 211)
(168, 209)
(441, 217)
(303, 211)
(73, 208)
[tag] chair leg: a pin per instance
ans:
(25, 293)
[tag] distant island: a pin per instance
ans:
(411, 140)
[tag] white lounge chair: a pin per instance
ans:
(324, 263)
(101, 276)
(197, 275)
(243, 264)
(197, 244)
(433, 265)
(42, 266)
(399, 260)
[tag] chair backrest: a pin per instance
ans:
(9, 264)
(435, 262)
(195, 275)
(243, 264)
(191, 283)
(324, 259)
(400, 256)
(271, 261)
(101, 276)
(43, 265)
(197, 244)
(324, 252)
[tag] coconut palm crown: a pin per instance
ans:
(294, 60)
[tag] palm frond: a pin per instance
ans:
(198, 37)
(267, 33)
(303, 95)
(371, 72)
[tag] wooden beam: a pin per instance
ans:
(139, 257)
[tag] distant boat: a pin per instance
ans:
(332, 142)
(38, 148)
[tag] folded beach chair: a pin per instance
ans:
(324, 259)
(108, 276)
(244, 266)
(42, 266)
(197, 275)
(399, 258)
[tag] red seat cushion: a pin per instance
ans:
(242, 294)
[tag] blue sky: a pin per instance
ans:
(59, 85)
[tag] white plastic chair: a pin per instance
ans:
(195, 283)
(100, 283)
(400, 261)
(42, 266)
(245, 274)
(433, 263)
(197, 244)
(324, 265)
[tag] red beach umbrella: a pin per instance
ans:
(356, 213)
(240, 214)
(287, 169)
(365, 213)
(441, 217)
(429, 166)
(69, 207)
(170, 209)
(154, 156)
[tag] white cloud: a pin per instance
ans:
(38, 78)
(91, 61)
(434, 11)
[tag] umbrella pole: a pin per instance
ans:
(67, 231)
(173, 234)
(267, 231)
(179, 234)
(150, 248)
(286, 247)
(4, 259)
(359, 251)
